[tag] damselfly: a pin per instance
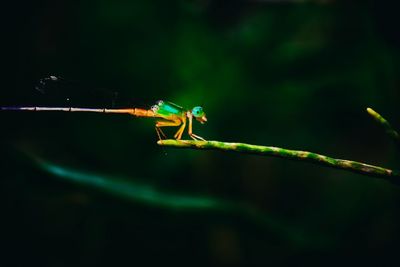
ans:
(167, 114)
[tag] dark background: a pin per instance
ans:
(293, 74)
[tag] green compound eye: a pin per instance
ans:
(198, 112)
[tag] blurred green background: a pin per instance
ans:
(293, 74)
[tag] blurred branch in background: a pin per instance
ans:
(385, 124)
(349, 165)
(148, 195)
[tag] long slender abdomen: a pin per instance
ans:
(138, 112)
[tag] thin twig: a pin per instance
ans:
(385, 124)
(349, 165)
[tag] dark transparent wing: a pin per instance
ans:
(58, 91)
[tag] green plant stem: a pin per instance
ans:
(349, 165)
(385, 124)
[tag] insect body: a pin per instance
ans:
(169, 114)
(175, 115)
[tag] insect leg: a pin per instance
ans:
(190, 131)
(178, 134)
(166, 124)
